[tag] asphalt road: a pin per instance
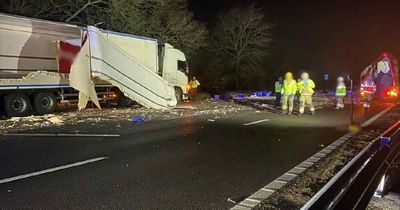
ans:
(188, 163)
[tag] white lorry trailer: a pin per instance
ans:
(34, 74)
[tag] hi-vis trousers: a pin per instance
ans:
(287, 100)
(306, 100)
(340, 102)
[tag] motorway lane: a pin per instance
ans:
(187, 163)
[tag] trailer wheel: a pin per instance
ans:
(178, 94)
(44, 103)
(17, 105)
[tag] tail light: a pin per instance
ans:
(392, 92)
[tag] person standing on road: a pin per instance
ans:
(278, 89)
(288, 92)
(306, 89)
(340, 93)
(368, 89)
(194, 84)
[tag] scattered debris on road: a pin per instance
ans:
(138, 119)
(56, 120)
(94, 116)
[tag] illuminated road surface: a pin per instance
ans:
(189, 163)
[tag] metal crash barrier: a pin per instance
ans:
(355, 184)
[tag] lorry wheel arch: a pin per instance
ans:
(44, 103)
(17, 105)
(178, 93)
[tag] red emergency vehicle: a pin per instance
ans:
(385, 73)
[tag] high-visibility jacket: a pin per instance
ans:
(368, 87)
(278, 86)
(306, 87)
(289, 87)
(341, 90)
(194, 83)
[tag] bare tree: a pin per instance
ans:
(166, 20)
(139, 17)
(89, 3)
(241, 38)
(77, 11)
(179, 28)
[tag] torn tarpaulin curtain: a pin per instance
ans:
(81, 78)
(118, 60)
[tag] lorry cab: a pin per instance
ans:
(385, 73)
(174, 68)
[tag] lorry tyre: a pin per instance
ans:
(17, 105)
(44, 103)
(178, 94)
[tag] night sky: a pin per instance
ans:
(336, 37)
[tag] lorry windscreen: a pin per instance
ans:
(183, 67)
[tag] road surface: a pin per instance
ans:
(189, 163)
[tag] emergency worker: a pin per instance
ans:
(368, 89)
(340, 93)
(288, 92)
(306, 89)
(194, 84)
(278, 89)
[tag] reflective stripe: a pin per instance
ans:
(341, 90)
(368, 87)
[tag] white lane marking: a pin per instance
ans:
(267, 190)
(246, 205)
(59, 135)
(252, 200)
(37, 173)
(256, 122)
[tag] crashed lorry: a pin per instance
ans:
(385, 73)
(44, 64)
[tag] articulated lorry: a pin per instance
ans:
(45, 63)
